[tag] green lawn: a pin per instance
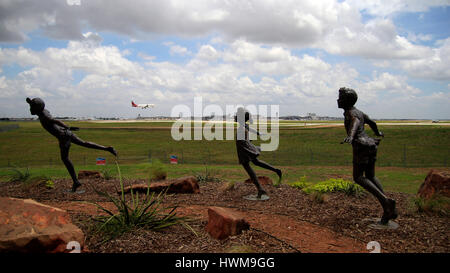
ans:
(405, 154)
(403, 146)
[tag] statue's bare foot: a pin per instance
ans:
(390, 212)
(260, 193)
(75, 185)
(112, 150)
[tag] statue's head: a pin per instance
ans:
(242, 115)
(37, 105)
(347, 98)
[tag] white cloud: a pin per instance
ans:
(329, 24)
(388, 7)
(242, 72)
(179, 50)
(435, 67)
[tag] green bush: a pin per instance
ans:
(107, 174)
(38, 180)
(28, 180)
(336, 185)
(136, 213)
(301, 184)
(330, 185)
(438, 204)
(158, 170)
(207, 176)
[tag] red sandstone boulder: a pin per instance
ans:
(435, 183)
(187, 184)
(224, 222)
(89, 175)
(263, 180)
(29, 226)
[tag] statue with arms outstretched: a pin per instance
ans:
(364, 151)
(64, 135)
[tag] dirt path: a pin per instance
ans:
(304, 236)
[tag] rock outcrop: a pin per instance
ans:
(224, 222)
(186, 184)
(263, 180)
(89, 175)
(436, 182)
(29, 226)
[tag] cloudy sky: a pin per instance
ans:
(92, 57)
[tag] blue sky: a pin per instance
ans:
(91, 58)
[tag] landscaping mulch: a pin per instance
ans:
(339, 214)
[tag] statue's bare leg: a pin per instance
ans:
(267, 166)
(370, 174)
(76, 140)
(64, 147)
(254, 179)
(387, 204)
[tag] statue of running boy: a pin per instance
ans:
(65, 136)
(364, 151)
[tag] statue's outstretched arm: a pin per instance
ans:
(373, 125)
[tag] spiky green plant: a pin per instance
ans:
(136, 213)
(107, 174)
(19, 175)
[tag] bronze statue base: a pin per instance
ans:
(254, 197)
(376, 224)
(77, 192)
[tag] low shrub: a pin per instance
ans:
(158, 170)
(330, 185)
(437, 204)
(207, 176)
(301, 184)
(107, 174)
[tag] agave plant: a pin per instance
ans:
(144, 212)
(19, 175)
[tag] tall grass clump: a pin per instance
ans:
(136, 213)
(29, 180)
(107, 174)
(19, 175)
(207, 176)
(437, 204)
(158, 170)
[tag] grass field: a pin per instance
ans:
(404, 157)
(403, 146)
